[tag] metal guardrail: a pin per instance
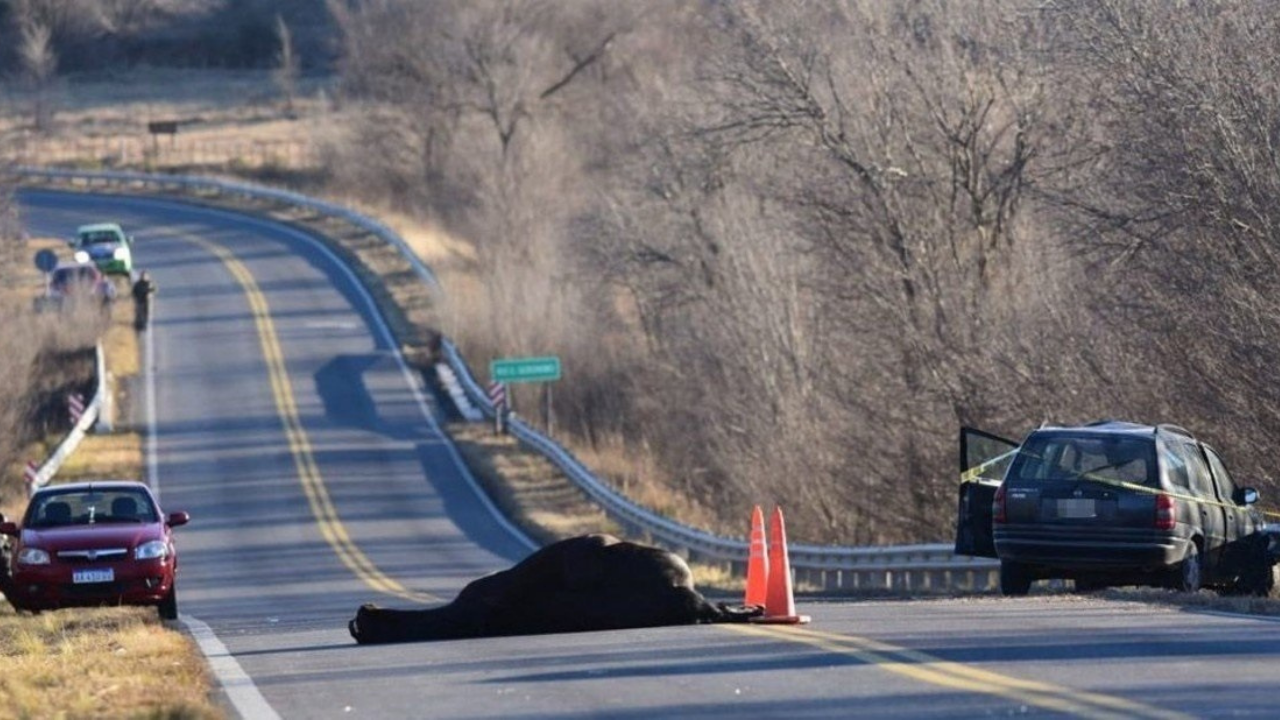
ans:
(907, 567)
(240, 189)
(72, 441)
(903, 567)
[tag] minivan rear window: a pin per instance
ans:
(1060, 456)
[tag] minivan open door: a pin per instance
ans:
(983, 459)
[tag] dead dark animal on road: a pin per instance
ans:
(592, 582)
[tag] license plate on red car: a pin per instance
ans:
(103, 575)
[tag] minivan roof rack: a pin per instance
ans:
(1178, 429)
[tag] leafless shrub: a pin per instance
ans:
(39, 65)
(852, 270)
(11, 237)
(465, 120)
(1183, 213)
(287, 67)
(42, 358)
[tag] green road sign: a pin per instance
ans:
(534, 369)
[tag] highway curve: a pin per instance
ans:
(318, 479)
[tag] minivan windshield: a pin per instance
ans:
(1106, 458)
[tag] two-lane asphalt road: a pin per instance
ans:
(317, 478)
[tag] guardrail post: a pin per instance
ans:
(106, 409)
(107, 414)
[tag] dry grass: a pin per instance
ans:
(120, 342)
(111, 455)
(637, 475)
(542, 501)
(228, 118)
(527, 487)
(443, 252)
(107, 663)
(26, 281)
(13, 502)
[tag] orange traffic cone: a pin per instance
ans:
(780, 604)
(757, 562)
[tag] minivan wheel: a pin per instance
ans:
(1090, 584)
(1189, 572)
(1015, 578)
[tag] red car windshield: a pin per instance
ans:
(89, 507)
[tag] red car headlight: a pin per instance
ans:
(32, 556)
(154, 550)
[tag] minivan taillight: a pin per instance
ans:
(1166, 512)
(997, 505)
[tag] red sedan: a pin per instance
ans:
(93, 543)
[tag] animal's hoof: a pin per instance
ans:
(741, 613)
(353, 626)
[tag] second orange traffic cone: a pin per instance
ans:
(780, 604)
(757, 562)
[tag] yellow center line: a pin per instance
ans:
(313, 485)
(936, 671)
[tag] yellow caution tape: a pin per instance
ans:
(974, 475)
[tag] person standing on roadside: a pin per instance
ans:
(143, 289)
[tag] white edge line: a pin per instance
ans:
(149, 364)
(236, 683)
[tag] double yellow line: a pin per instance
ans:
(309, 476)
(957, 676)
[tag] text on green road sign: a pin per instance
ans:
(534, 369)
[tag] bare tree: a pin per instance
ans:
(287, 66)
(852, 270)
(39, 63)
(131, 17)
(11, 236)
(1183, 210)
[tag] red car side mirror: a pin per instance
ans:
(8, 528)
(178, 518)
